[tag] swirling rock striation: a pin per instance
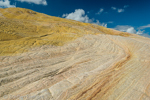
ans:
(91, 67)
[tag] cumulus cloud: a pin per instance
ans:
(5, 4)
(129, 29)
(143, 27)
(38, 2)
(99, 23)
(122, 27)
(113, 8)
(120, 10)
(140, 32)
(79, 15)
(100, 11)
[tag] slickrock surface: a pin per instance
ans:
(107, 65)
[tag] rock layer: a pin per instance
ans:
(93, 67)
(108, 66)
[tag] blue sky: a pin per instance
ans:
(125, 15)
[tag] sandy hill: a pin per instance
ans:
(50, 58)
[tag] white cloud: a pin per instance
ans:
(5, 4)
(113, 8)
(140, 32)
(122, 27)
(143, 27)
(100, 11)
(129, 29)
(64, 15)
(120, 10)
(145, 35)
(79, 15)
(99, 23)
(126, 6)
(38, 2)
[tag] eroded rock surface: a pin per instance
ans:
(93, 67)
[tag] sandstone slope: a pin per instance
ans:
(49, 58)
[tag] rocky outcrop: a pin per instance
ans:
(90, 67)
